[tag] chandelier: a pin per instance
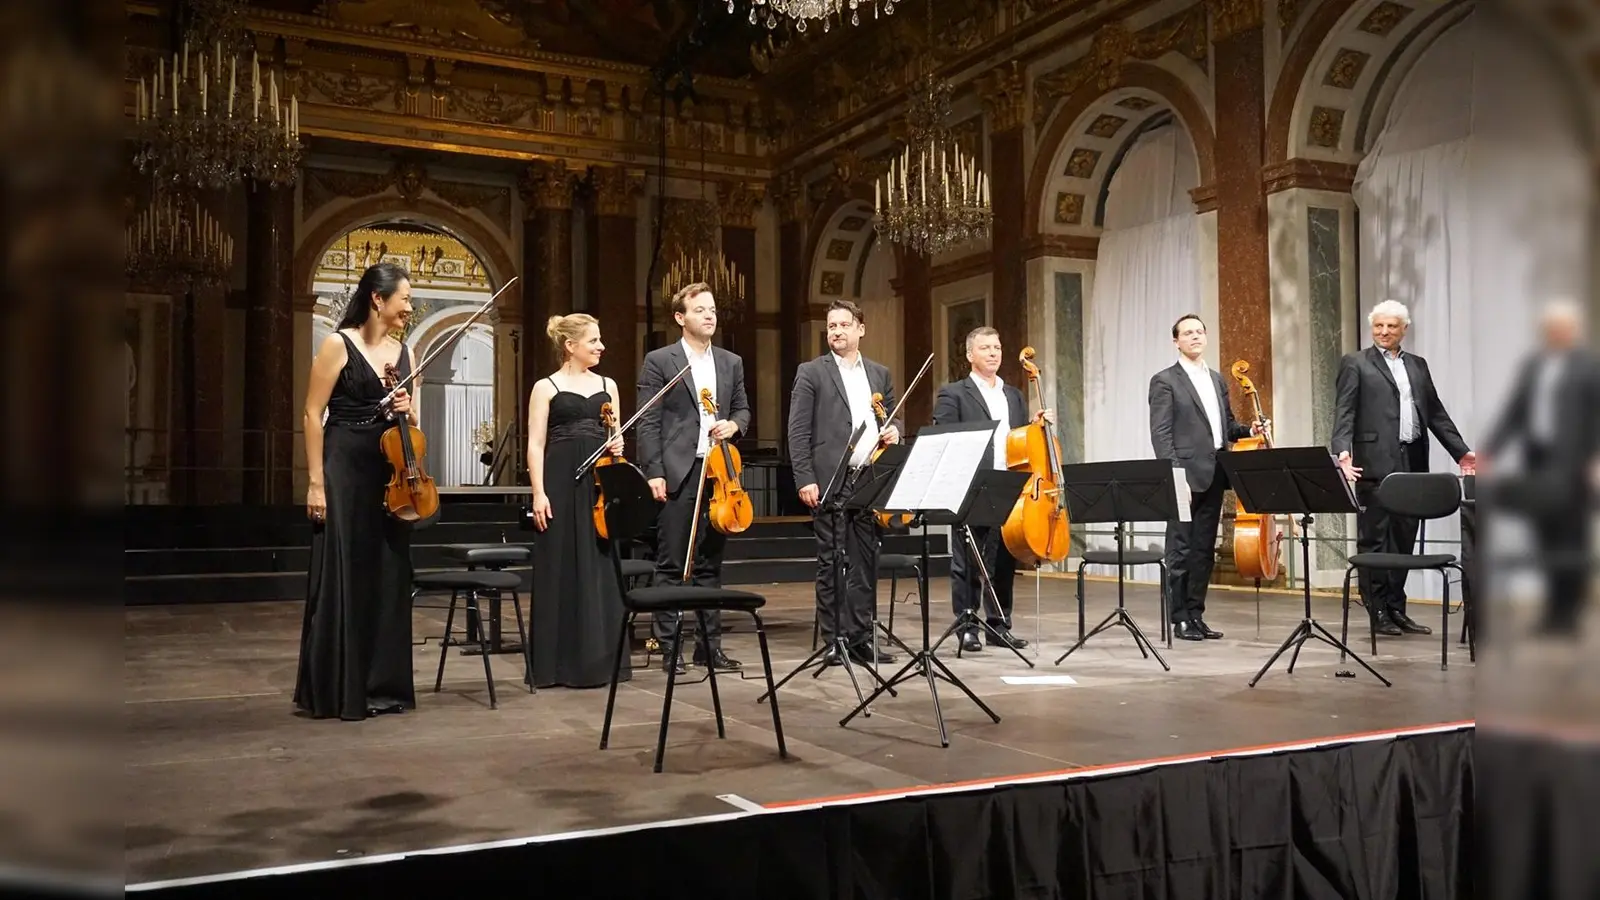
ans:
(199, 128)
(933, 197)
(771, 12)
(176, 243)
(727, 282)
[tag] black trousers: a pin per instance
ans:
(1380, 531)
(859, 544)
(1562, 528)
(1192, 552)
(966, 581)
(672, 546)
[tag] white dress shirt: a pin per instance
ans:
(995, 397)
(1200, 374)
(859, 393)
(703, 372)
(1408, 403)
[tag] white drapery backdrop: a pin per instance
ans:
(1146, 274)
(1472, 210)
(458, 395)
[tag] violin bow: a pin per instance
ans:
(889, 419)
(600, 451)
(446, 343)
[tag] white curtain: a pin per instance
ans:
(1472, 209)
(458, 395)
(1146, 274)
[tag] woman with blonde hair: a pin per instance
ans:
(576, 606)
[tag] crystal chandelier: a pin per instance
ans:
(933, 197)
(198, 128)
(771, 12)
(727, 283)
(177, 244)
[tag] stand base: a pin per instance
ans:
(1120, 616)
(1308, 629)
(924, 664)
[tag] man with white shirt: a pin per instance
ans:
(674, 437)
(982, 396)
(832, 395)
(1384, 406)
(1190, 421)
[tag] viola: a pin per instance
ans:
(1255, 536)
(886, 520)
(608, 418)
(411, 494)
(1037, 530)
(731, 511)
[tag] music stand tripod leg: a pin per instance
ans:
(988, 599)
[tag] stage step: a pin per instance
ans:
(245, 554)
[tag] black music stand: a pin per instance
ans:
(872, 491)
(1141, 490)
(1297, 481)
(834, 503)
(989, 494)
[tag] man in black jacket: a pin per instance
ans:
(832, 395)
(674, 437)
(1554, 414)
(982, 396)
(1190, 420)
(1384, 407)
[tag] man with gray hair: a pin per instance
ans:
(1385, 405)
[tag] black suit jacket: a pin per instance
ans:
(1577, 413)
(819, 416)
(960, 401)
(669, 432)
(1366, 417)
(1180, 430)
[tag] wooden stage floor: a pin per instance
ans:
(223, 776)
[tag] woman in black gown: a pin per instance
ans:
(355, 644)
(576, 609)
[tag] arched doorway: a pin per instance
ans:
(448, 282)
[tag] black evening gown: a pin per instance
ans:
(355, 644)
(577, 610)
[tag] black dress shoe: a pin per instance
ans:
(1187, 631)
(667, 664)
(863, 652)
(1384, 625)
(1205, 630)
(971, 644)
(1006, 639)
(719, 660)
(1407, 624)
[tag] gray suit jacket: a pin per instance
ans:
(960, 401)
(669, 432)
(819, 416)
(1366, 417)
(1180, 430)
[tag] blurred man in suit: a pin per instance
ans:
(1385, 405)
(832, 395)
(1190, 420)
(982, 396)
(1553, 413)
(674, 437)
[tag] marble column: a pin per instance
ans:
(269, 402)
(914, 284)
(793, 276)
(546, 261)
(738, 204)
(614, 281)
(1005, 98)
(1244, 315)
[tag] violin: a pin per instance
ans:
(411, 494)
(886, 520)
(1255, 536)
(1037, 530)
(731, 509)
(608, 418)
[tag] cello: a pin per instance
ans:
(411, 494)
(608, 418)
(1037, 530)
(1255, 536)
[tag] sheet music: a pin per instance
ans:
(916, 473)
(1180, 484)
(938, 473)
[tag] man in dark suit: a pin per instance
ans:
(832, 395)
(1190, 421)
(674, 437)
(1553, 413)
(1385, 405)
(979, 397)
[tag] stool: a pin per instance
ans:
(473, 584)
(495, 558)
(1130, 558)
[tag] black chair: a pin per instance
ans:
(472, 584)
(629, 510)
(1418, 495)
(1130, 558)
